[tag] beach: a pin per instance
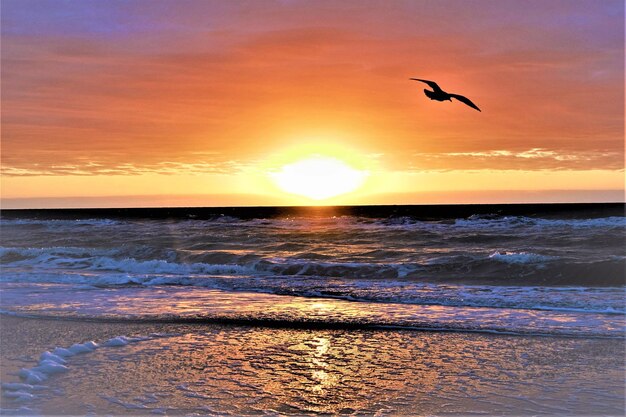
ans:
(486, 310)
(242, 370)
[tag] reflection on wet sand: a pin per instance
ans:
(235, 370)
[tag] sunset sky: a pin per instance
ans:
(138, 103)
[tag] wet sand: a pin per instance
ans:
(206, 369)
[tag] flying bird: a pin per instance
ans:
(440, 95)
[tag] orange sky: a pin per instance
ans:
(200, 98)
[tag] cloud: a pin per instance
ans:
(152, 87)
(211, 164)
(538, 158)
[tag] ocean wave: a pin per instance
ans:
(59, 222)
(130, 265)
(28, 252)
(516, 298)
(520, 257)
(506, 267)
(88, 259)
(494, 221)
(600, 300)
(507, 222)
(490, 221)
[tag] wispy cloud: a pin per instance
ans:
(538, 158)
(228, 167)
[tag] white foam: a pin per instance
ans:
(512, 221)
(19, 395)
(116, 341)
(615, 221)
(51, 356)
(159, 335)
(62, 352)
(51, 363)
(17, 386)
(31, 376)
(50, 367)
(60, 222)
(129, 270)
(83, 348)
(21, 411)
(158, 266)
(519, 257)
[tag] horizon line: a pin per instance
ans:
(458, 197)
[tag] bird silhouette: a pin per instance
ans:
(440, 95)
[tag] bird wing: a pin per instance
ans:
(465, 100)
(432, 84)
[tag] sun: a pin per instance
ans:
(319, 177)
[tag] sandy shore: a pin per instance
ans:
(238, 370)
(22, 340)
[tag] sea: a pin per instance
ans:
(555, 271)
(521, 269)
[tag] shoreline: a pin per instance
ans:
(305, 325)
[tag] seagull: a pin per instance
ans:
(440, 95)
